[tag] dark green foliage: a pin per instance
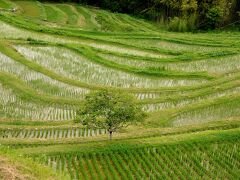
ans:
(213, 18)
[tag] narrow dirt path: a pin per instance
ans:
(10, 171)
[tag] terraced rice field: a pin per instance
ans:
(52, 55)
(164, 162)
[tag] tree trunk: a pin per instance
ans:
(110, 135)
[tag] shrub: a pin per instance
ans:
(182, 24)
(192, 22)
(213, 18)
(177, 24)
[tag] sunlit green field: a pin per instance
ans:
(52, 55)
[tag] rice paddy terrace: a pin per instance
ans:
(52, 55)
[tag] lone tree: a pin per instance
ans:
(109, 110)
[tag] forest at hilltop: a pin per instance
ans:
(180, 15)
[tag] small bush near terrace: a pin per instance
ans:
(109, 110)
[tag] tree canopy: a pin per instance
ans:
(109, 110)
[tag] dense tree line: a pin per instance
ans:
(179, 14)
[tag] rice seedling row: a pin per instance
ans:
(195, 161)
(170, 104)
(51, 133)
(125, 50)
(86, 16)
(13, 107)
(107, 22)
(79, 68)
(210, 113)
(38, 81)
(72, 17)
(158, 43)
(12, 32)
(54, 15)
(219, 65)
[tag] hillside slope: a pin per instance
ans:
(16, 167)
(52, 55)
